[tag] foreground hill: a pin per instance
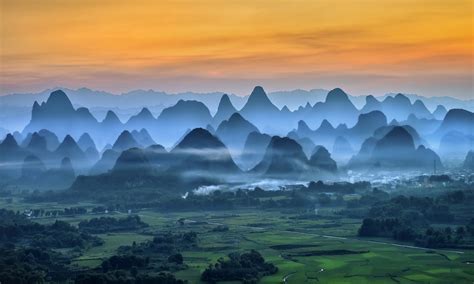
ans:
(396, 149)
(285, 158)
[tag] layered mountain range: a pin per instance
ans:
(186, 144)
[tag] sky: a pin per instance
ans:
(363, 46)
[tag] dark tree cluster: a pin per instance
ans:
(430, 238)
(117, 262)
(339, 187)
(246, 267)
(31, 265)
(16, 228)
(428, 207)
(441, 238)
(165, 248)
(110, 224)
(391, 228)
(123, 277)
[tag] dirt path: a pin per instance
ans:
(285, 278)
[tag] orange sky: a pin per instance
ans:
(365, 46)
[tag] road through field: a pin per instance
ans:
(339, 238)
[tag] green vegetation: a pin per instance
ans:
(314, 234)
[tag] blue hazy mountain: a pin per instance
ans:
(295, 98)
(37, 143)
(440, 112)
(174, 121)
(336, 109)
(342, 149)
(200, 152)
(234, 131)
(85, 142)
(143, 137)
(52, 141)
(105, 163)
(224, 110)
(70, 149)
(261, 112)
(254, 135)
(396, 149)
(306, 143)
(321, 159)
(15, 109)
(379, 133)
(143, 119)
(11, 157)
(423, 126)
(397, 107)
(457, 120)
(283, 157)
(454, 145)
(326, 134)
(469, 161)
(254, 149)
(59, 116)
(125, 141)
(133, 161)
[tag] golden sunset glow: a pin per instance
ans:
(367, 46)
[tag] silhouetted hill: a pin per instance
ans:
(52, 140)
(454, 145)
(423, 126)
(336, 109)
(440, 112)
(371, 104)
(234, 131)
(133, 161)
(394, 145)
(420, 110)
(143, 137)
(111, 120)
(396, 149)
(106, 162)
(457, 120)
(174, 121)
(200, 151)
(321, 159)
(469, 161)
(260, 111)
(70, 150)
(224, 110)
(85, 142)
(283, 157)
(307, 145)
(254, 149)
(397, 107)
(37, 144)
(382, 131)
(125, 141)
(367, 123)
(144, 119)
(59, 116)
(11, 158)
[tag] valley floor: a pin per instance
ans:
(321, 249)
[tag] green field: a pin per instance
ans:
(322, 249)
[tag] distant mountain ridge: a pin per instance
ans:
(15, 108)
